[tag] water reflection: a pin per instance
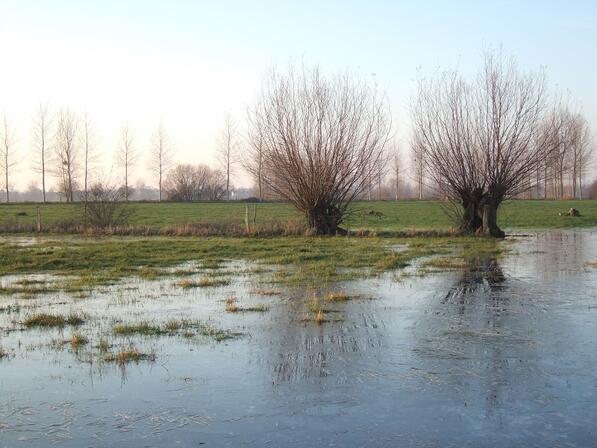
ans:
(500, 353)
(479, 275)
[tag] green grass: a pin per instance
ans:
(300, 260)
(233, 308)
(188, 328)
(202, 283)
(46, 320)
(395, 216)
(78, 340)
(337, 296)
(143, 328)
(129, 354)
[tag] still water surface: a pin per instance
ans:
(502, 353)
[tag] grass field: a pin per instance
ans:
(374, 215)
(89, 262)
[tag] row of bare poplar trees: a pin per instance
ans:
(65, 149)
(65, 146)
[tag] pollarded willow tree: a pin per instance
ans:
(320, 141)
(481, 139)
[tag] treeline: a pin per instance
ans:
(63, 155)
(63, 150)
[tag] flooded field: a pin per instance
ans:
(492, 352)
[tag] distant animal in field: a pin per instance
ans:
(374, 213)
(571, 212)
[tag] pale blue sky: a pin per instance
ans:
(188, 62)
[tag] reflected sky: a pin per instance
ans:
(499, 353)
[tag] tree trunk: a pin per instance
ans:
(260, 185)
(580, 182)
(490, 226)
(324, 220)
(545, 182)
(126, 179)
(574, 177)
(69, 186)
(160, 183)
(6, 181)
(86, 174)
(43, 172)
(471, 217)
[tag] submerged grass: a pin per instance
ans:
(337, 297)
(103, 345)
(202, 283)
(443, 263)
(89, 263)
(130, 353)
(143, 328)
(27, 290)
(184, 327)
(234, 308)
(77, 340)
(267, 292)
(320, 317)
(52, 320)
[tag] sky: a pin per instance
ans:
(186, 63)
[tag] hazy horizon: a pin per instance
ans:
(187, 64)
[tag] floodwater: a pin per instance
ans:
(501, 353)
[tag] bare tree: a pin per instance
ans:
(480, 138)
(381, 174)
(88, 144)
(253, 162)
(580, 152)
(397, 172)
(562, 139)
(418, 165)
(323, 140)
(585, 158)
(127, 155)
(161, 155)
(7, 134)
(41, 138)
(66, 153)
(227, 149)
(195, 183)
(105, 208)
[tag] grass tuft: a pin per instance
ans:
(184, 327)
(268, 292)
(46, 320)
(143, 328)
(233, 308)
(78, 340)
(337, 297)
(103, 346)
(203, 283)
(320, 317)
(390, 261)
(128, 354)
